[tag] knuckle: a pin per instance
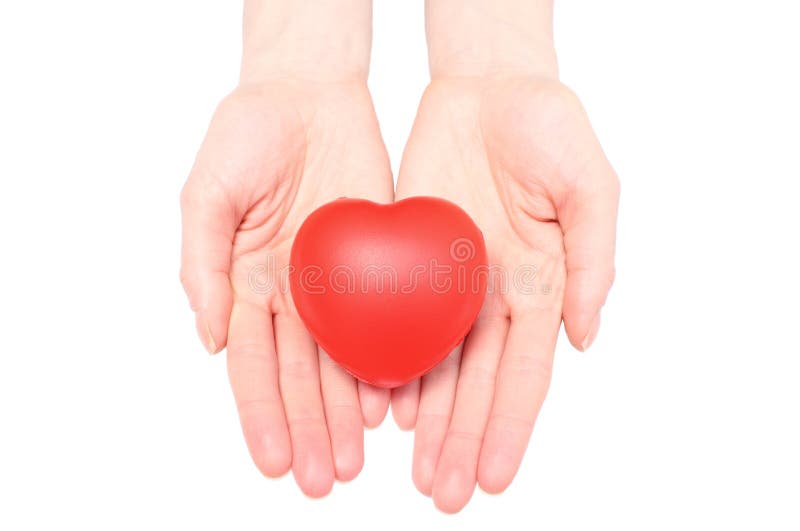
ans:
(427, 421)
(343, 417)
(250, 358)
(305, 422)
(531, 367)
(298, 370)
(511, 426)
(204, 188)
(477, 376)
(468, 436)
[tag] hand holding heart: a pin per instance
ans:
(274, 153)
(496, 136)
(519, 156)
(258, 176)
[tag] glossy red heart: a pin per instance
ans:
(388, 290)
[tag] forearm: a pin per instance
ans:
(322, 40)
(490, 37)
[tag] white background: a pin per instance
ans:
(685, 413)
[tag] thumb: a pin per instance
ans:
(588, 218)
(209, 223)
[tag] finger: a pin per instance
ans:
(457, 469)
(588, 219)
(253, 373)
(522, 381)
(374, 403)
(298, 370)
(405, 401)
(208, 225)
(436, 397)
(343, 417)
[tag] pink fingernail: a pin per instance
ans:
(592, 334)
(204, 331)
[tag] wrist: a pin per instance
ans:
(323, 40)
(475, 38)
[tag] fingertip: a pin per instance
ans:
(583, 300)
(374, 404)
(204, 333)
(348, 468)
(343, 417)
(495, 473)
(403, 419)
(422, 475)
(316, 488)
(581, 329)
(591, 334)
(428, 440)
(314, 476)
(271, 453)
(348, 464)
(212, 301)
(217, 337)
(404, 404)
(452, 489)
(275, 464)
(219, 311)
(588, 221)
(212, 342)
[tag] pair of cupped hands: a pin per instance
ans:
(517, 153)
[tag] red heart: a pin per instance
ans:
(388, 290)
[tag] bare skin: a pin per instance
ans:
(505, 157)
(499, 135)
(275, 152)
(298, 132)
(496, 133)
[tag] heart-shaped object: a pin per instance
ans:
(388, 290)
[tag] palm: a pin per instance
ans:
(317, 143)
(503, 151)
(463, 148)
(273, 154)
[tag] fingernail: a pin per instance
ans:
(204, 331)
(211, 345)
(593, 328)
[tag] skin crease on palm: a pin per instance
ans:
(495, 133)
(273, 153)
(512, 152)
